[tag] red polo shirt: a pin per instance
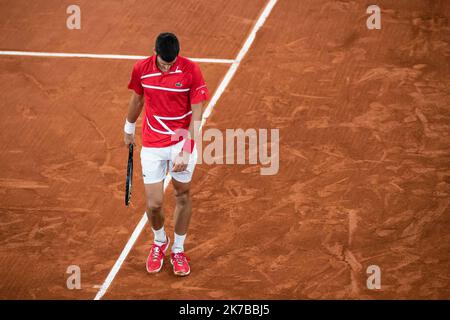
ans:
(168, 97)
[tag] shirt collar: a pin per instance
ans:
(172, 68)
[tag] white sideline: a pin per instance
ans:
(226, 80)
(98, 56)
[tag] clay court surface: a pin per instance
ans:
(364, 179)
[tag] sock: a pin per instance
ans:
(160, 236)
(178, 244)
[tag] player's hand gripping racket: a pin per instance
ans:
(129, 175)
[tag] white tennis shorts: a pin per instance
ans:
(156, 162)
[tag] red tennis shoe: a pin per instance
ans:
(180, 263)
(155, 259)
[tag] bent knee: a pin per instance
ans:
(154, 206)
(183, 197)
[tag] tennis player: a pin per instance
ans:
(172, 89)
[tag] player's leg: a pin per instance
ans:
(154, 169)
(183, 206)
(181, 182)
(183, 211)
(182, 216)
(154, 194)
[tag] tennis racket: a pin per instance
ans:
(129, 175)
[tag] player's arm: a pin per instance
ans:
(194, 127)
(181, 162)
(134, 110)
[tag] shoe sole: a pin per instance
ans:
(180, 274)
(158, 270)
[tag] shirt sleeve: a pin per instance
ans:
(199, 90)
(135, 81)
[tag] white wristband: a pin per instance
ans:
(129, 127)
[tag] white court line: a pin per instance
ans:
(226, 80)
(98, 56)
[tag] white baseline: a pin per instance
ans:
(226, 80)
(99, 56)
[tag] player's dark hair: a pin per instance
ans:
(167, 46)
